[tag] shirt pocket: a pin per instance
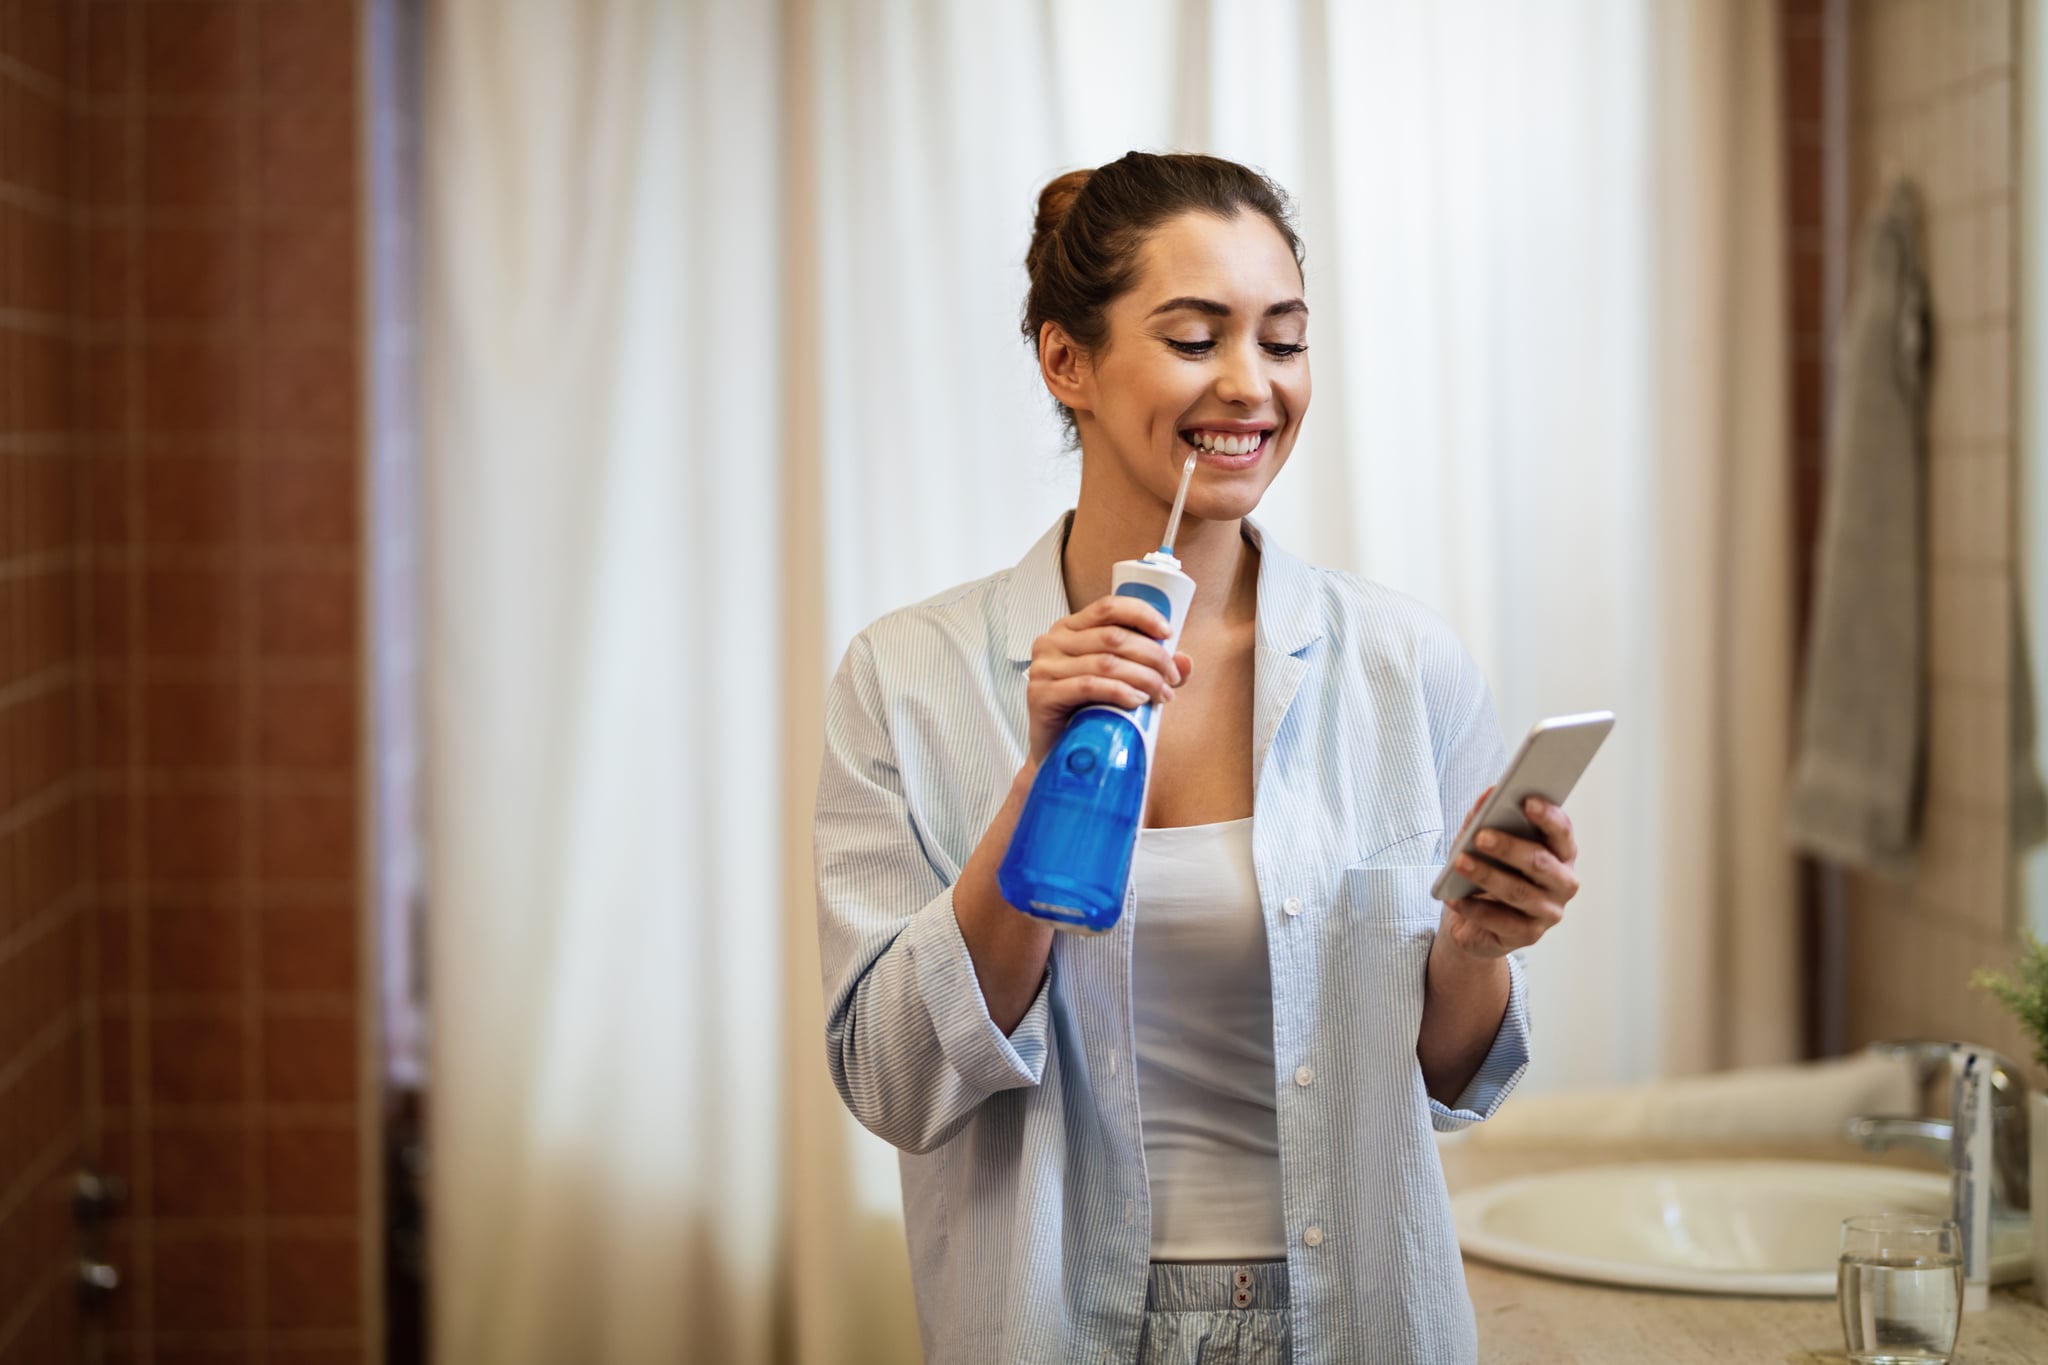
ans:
(1393, 894)
(1381, 940)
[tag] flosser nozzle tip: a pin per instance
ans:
(1187, 474)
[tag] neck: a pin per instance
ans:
(1213, 553)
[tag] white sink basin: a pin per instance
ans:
(1718, 1227)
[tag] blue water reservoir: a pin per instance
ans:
(1070, 857)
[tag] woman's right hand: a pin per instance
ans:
(1113, 650)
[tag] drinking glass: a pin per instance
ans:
(1900, 1287)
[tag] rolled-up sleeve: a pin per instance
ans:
(1470, 755)
(909, 1041)
(1505, 1062)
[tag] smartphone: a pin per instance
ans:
(1548, 765)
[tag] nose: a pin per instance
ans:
(1243, 381)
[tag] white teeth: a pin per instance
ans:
(1226, 445)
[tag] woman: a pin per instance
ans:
(1206, 1134)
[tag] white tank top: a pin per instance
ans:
(1202, 998)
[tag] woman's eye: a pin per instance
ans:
(1279, 350)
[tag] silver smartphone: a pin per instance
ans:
(1548, 765)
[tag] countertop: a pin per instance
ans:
(1535, 1320)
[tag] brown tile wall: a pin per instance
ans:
(220, 382)
(1807, 34)
(1804, 35)
(1933, 99)
(45, 1033)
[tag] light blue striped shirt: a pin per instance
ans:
(1023, 1162)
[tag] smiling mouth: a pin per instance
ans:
(1229, 443)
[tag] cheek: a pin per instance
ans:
(1295, 390)
(1164, 392)
(1145, 390)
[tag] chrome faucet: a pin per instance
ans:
(2010, 1197)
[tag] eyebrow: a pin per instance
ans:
(1222, 310)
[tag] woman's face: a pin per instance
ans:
(1206, 351)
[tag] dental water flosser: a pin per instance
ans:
(1069, 860)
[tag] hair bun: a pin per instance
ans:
(1053, 203)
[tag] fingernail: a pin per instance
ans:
(1466, 863)
(1534, 805)
(1490, 841)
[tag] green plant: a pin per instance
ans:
(2027, 997)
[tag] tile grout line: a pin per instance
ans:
(204, 1115)
(26, 811)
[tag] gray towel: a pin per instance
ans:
(2029, 822)
(1858, 771)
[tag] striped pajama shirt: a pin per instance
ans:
(1022, 1159)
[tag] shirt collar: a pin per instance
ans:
(1289, 619)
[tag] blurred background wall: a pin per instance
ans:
(1929, 93)
(45, 880)
(180, 210)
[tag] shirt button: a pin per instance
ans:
(1313, 1236)
(1292, 905)
(1303, 1075)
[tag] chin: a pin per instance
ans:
(1224, 504)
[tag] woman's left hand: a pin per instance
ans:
(1524, 898)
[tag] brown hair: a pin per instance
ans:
(1091, 224)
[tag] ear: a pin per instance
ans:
(1064, 367)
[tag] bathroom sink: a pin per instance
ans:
(1717, 1227)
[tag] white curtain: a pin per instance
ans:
(722, 362)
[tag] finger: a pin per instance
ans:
(1055, 667)
(1087, 689)
(1115, 610)
(1131, 644)
(1532, 859)
(1186, 665)
(1555, 825)
(1510, 888)
(1118, 643)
